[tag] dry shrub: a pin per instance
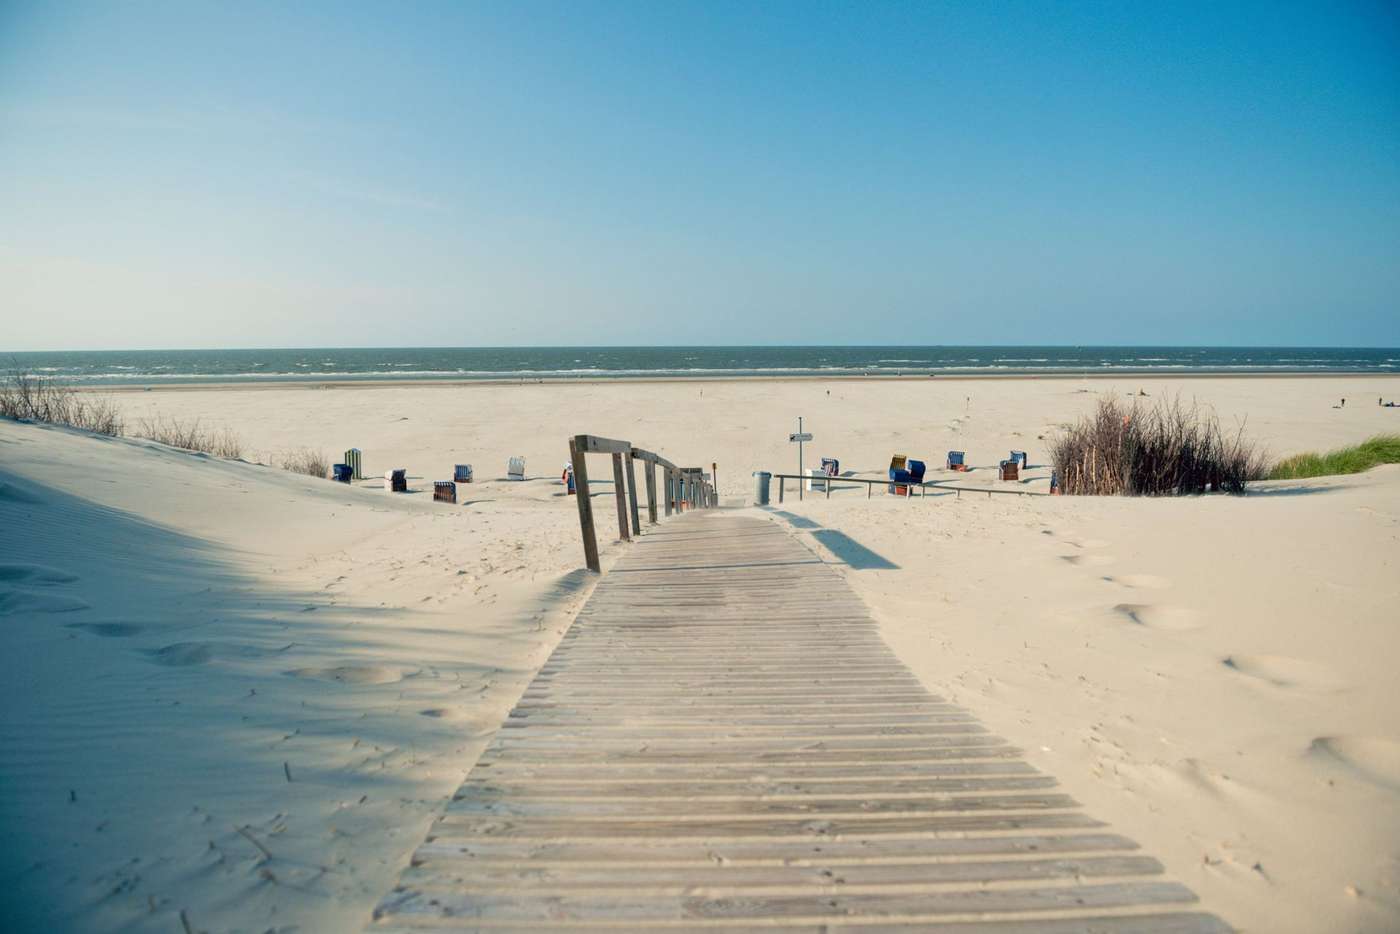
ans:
(191, 436)
(1169, 449)
(309, 461)
(23, 395)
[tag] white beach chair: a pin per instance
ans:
(516, 470)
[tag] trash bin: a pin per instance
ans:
(761, 480)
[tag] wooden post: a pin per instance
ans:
(585, 504)
(632, 494)
(782, 488)
(621, 489)
(651, 492)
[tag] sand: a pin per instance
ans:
(212, 661)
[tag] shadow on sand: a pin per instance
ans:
(846, 549)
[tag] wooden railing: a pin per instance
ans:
(681, 488)
(909, 486)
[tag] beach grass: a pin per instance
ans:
(309, 461)
(31, 398)
(1168, 449)
(1382, 449)
(191, 436)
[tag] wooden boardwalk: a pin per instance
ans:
(723, 741)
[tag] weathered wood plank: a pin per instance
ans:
(495, 877)
(813, 907)
(480, 788)
(797, 826)
(885, 851)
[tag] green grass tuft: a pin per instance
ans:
(1382, 449)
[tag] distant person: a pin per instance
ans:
(1344, 401)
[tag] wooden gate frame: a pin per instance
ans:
(679, 484)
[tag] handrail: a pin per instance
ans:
(681, 487)
(923, 485)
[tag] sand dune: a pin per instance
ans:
(206, 658)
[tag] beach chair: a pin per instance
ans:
(341, 473)
(352, 458)
(916, 471)
(816, 479)
(831, 467)
(462, 473)
(568, 479)
(396, 480)
(1007, 470)
(1020, 458)
(957, 460)
(444, 491)
(899, 473)
(516, 469)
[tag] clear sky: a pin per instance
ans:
(194, 174)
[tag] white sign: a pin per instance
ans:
(801, 436)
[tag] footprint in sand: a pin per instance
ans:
(182, 654)
(445, 713)
(1140, 581)
(1371, 758)
(1088, 561)
(1284, 672)
(1168, 618)
(351, 674)
(14, 601)
(36, 574)
(109, 630)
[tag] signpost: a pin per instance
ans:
(799, 438)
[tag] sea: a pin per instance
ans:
(147, 367)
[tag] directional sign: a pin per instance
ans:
(801, 436)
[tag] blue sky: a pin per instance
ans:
(195, 174)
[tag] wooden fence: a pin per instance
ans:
(681, 488)
(909, 486)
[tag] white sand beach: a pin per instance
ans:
(211, 661)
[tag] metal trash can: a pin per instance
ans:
(761, 481)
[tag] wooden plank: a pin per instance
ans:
(592, 444)
(651, 491)
(671, 789)
(1120, 921)
(491, 770)
(887, 851)
(793, 826)
(620, 489)
(814, 907)
(632, 494)
(585, 505)
(719, 878)
(644, 810)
